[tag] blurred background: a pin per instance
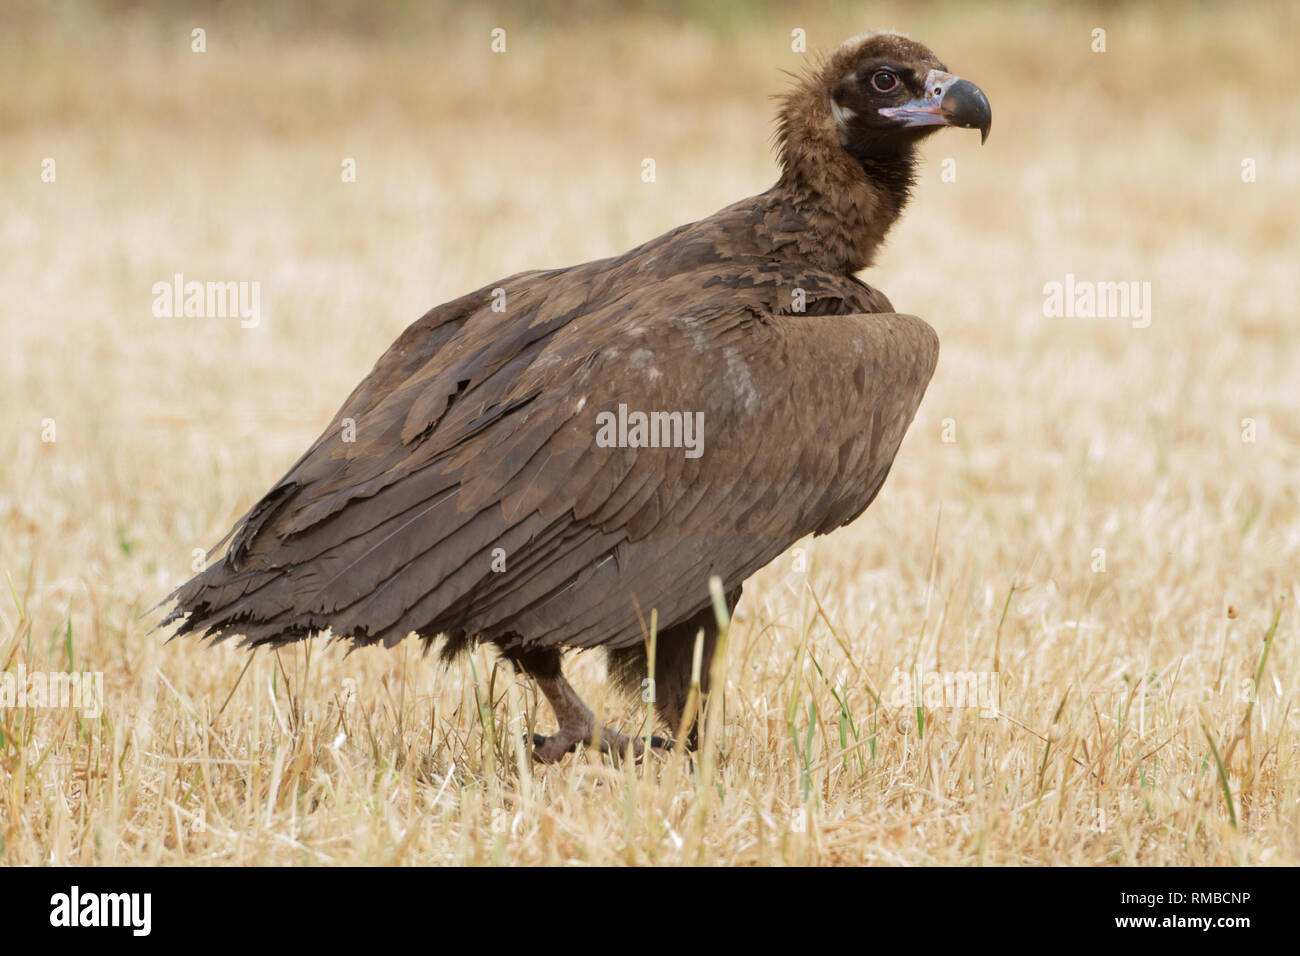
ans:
(1168, 156)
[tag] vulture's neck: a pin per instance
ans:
(843, 206)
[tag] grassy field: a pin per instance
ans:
(1100, 521)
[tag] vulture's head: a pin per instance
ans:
(877, 96)
(848, 131)
(886, 92)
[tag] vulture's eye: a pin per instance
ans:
(883, 81)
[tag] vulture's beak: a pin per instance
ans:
(948, 101)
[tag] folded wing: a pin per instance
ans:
(478, 499)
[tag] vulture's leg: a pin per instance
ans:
(674, 665)
(577, 723)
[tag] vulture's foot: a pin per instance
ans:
(620, 745)
(549, 749)
(577, 722)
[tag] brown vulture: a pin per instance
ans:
(540, 463)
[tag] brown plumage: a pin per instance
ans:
(478, 501)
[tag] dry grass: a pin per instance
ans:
(1071, 435)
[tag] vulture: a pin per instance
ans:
(539, 464)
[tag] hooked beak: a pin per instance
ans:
(948, 101)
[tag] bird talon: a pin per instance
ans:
(549, 749)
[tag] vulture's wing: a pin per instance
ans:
(477, 499)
